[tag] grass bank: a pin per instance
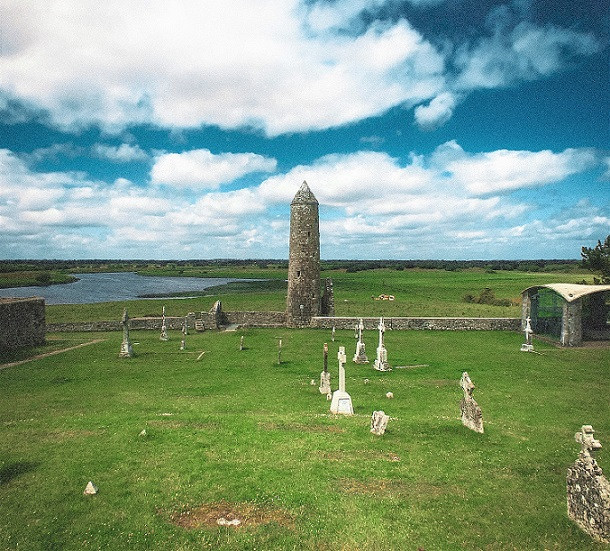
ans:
(236, 434)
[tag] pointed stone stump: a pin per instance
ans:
(360, 355)
(90, 489)
(588, 490)
(324, 387)
(381, 362)
(528, 346)
(472, 416)
(379, 422)
(126, 349)
(342, 401)
(164, 336)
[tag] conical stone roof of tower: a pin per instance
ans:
(304, 195)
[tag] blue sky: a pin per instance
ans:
(443, 129)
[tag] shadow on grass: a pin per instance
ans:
(9, 472)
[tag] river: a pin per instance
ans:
(106, 287)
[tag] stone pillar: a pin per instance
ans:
(303, 297)
(571, 325)
(526, 307)
(471, 412)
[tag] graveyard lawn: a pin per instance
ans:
(234, 435)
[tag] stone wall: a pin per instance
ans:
(257, 319)
(22, 322)
(135, 324)
(203, 320)
(440, 324)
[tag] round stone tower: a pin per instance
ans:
(303, 300)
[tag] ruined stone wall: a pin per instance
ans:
(588, 496)
(22, 322)
(441, 324)
(135, 324)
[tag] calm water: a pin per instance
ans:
(109, 287)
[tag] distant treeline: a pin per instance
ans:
(98, 265)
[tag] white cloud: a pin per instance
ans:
(437, 112)
(194, 63)
(503, 170)
(123, 153)
(200, 168)
(525, 52)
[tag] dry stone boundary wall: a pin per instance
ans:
(278, 319)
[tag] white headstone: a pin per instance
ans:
(381, 362)
(342, 401)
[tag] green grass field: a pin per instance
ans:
(417, 293)
(236, 434)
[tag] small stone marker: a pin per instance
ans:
(324, 387)
(471, 412)
(332, 334)
(279, 352)
(381, 362)
(342, 401)
(164, 336)
(224, 522)
(126, 349)
(528, 346)
(312, 382)
(143, 433)
(389, 395)
(241, 342)
(90, 489)
(360, 355)
(588, 490)
(379, 422)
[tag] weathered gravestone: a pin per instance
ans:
(342, 401)
(379, 422)
(381, 362)
(126, 349)
(588, 490)
(528, 346)
(360, 355)
(325, 375)
(164, 336)
(471, 412)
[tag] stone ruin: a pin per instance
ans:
(588, 490)
(472, 416)
(379, 422)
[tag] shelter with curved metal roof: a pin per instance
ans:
(568, 312)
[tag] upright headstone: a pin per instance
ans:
(325, 375)
(472, 416)
(379, 422)
(332, 334)
(164, 336)
(381, 362)
(588, 490)
(342, 401)
(241, 342)
(184, 333)
(360, 355)
(186, 325)
(528, 346)
(279, 352)
(126, 349)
